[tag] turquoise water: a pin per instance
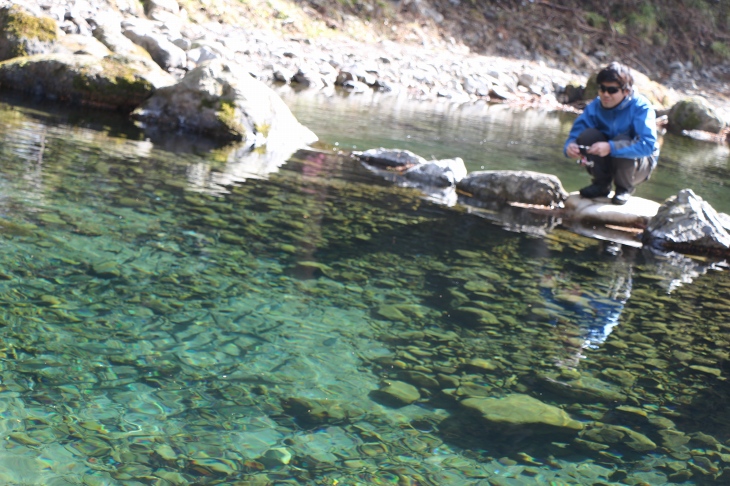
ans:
(172, 314)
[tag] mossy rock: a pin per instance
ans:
(111, 83)
(695, 113)
(22, 34)
(223, 101)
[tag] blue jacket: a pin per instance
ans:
(633, 117)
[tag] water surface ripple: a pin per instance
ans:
(164, 322)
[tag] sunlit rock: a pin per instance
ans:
(164, 52)
(515, 186)
(224, 101)
(437, 173)
(23, 34)
(635, 213)
(688, 224)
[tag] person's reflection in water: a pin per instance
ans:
(608, 307)
(593, 302)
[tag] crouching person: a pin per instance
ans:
(615, 137)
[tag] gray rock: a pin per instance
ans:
(81, 44)
(114, 82)
(688, 224)
(110, 35)
(164, 52)
(636, 213)
(224, 101)
(393, 158)
(695, 113)
(164, 5)
(524, 187)
(355, 86)
(437, 173)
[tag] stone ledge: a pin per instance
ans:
(636, 213)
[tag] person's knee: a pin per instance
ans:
(589, 136)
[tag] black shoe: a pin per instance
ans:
(622, 196)
(595, 190)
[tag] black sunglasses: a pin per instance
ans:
(609, 89)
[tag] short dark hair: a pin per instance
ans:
(616, 73)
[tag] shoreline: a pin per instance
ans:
(435, 69)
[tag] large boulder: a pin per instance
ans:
(113, 82)
(695, 113)
(688, 224)
(514, 186)
(224, 101)
(23, 34)
(521, 411)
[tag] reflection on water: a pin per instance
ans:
(321, 326)
(498, 137)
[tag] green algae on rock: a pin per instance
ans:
(225, 102)
(522, 410)
(23, 34)
(113, 82)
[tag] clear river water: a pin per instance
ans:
(176, 313)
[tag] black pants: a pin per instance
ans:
(626, 174)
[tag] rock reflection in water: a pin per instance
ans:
(322, 326)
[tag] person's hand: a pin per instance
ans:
(573, 151)
(600, 148)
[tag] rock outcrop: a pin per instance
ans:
(525, 187)
(688, 224)
(23, 34)
(114, 82)
(225, 102)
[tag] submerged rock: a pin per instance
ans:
(224, 101)
(519, 410)
(686, 223)
(516, 186)
(396, 393)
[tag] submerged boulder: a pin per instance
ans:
(514, 186)
(114, 82)
(517, 410)
(23, 34)
(688, 224)
(695, 113)
(224, 101)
